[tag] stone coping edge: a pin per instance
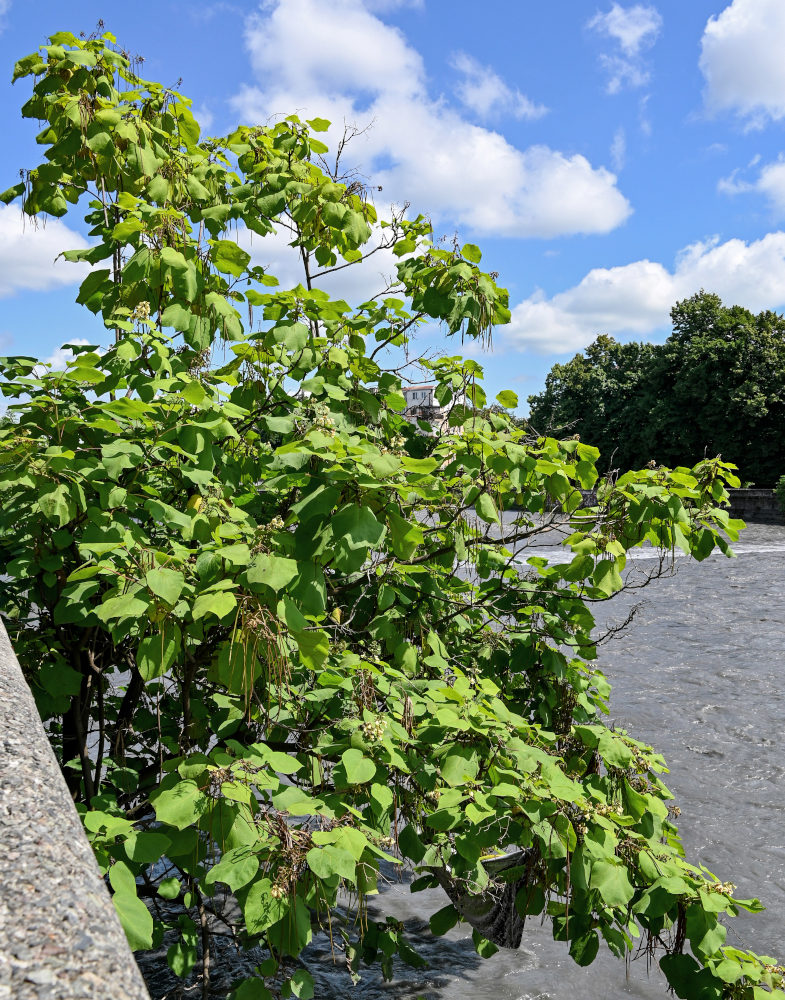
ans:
(60, 937)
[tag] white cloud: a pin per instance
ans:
(356, 283)
(28, 250)
(5, 6)
(60, 359)
(770, 182)
(635, 30)
(340, 62)
(484, 92)
(635, 299)
(382, 6)
(741, 59)
(205, 117)
(619, 149)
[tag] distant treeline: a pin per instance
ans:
(715, 387)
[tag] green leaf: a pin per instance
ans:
(706, 935)
(189, 127)
(165, 583)
(681, 971)
(272, 571)
(459, 766)
(300, 985)
(177, 316)
(405, 535)
(229, 258)
(483, 947)
(57, 505)
(329, 861)
(355, 529)
(146, 847)
(218, 603)
(93, 289)
(260, 908)
(612, 882)
(134, 915)
(129, 605)
(236, 868)
(359, 769)
(251, 989)
(614, 751)
(158, 189)
(486, 509)
(444, 920)
(507, 398)
(169, 888)
(13, 192)
(157, 653)
(606, 577)
(472, 253)
(583, 949)
(179, 806)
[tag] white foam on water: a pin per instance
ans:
(555, 556)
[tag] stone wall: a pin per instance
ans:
(758, 506)
(60, 938)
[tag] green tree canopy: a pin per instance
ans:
(603, 395)
(715, 387)
(273, 644)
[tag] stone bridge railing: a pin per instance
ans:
(59, 934)
(759, 506)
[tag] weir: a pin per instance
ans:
(60, 937)
(758, 506)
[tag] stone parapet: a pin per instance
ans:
(60, 938)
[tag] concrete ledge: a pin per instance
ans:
(756, 505)
(59, 934)
(759, 506)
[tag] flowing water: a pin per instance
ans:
(699, 675)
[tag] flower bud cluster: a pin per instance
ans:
(277, 523)
(141, 311)
(374, 729)
(723, 888)
(284, 878)
(322, 418)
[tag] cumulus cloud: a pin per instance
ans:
(483, 91)
(741, 60)
(382, 6)
(361, 281)
(61, 358)
(340, 62)
(28, 251)
(770, 182)
(635, 299)
(634, 30)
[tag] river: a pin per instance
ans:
(699, 674)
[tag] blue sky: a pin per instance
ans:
(609, 158)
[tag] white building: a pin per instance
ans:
(418, 397)
(422, 405)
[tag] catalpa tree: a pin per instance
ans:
(278, 635)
